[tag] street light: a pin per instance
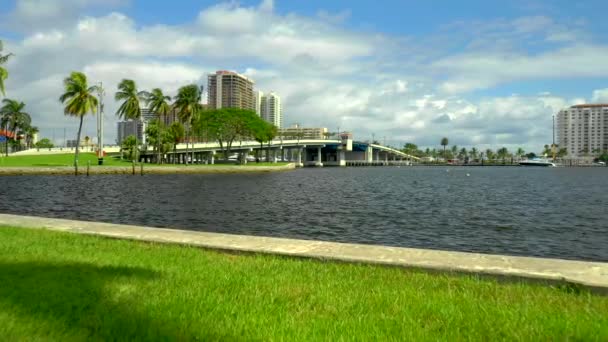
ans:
(100, 94)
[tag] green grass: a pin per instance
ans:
(60, 286)
(68, 160)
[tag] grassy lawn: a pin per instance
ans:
(59, 286)
(68, 160)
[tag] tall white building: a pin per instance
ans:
(270, 108)
(258, 102)
(583, 129)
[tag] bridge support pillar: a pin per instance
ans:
(319, 161)
(341, 158)
(212, 157)
(369, 154)
(299, 163)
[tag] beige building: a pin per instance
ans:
(229, 89)
(296, 131)
(583, 129)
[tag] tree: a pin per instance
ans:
(262, 132)
(3, 71)
(130, 108)
(44, 143)
(562, 152)
(158, 103)
(79, 101)
(410, 148)
(531, 155)
(30, 132)
(502, 153)
(444, 143)
(130, 146)
(188, 106)
(463, 154)
(490, 154)
(474, 153)
(227, 124)
(454, 151)
(175, 135)
(153, 135)
(14, 118)
(520, 153)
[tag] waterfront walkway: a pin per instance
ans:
(593, 275)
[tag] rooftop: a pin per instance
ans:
(590, 105)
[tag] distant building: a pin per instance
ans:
(147, 115)
(295, 131)
(258, 102)
(270, 109)
(229, 89)
(131, 127)
(583, 129)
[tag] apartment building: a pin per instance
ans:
(227, 89)
(583, 129)
(271, 110)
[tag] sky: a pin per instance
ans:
(482, 73)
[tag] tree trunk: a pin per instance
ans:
(78, 145)
(268, 152)
(174, 152)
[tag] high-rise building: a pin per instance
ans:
(258, 102)
(131, 127)
(270, 108)
(583, 129)
(147, 114)
(228, 89)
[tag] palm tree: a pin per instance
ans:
(3, 71)
(13, 118)
(490, 154)
(30, 131)
(188, 106)
(130, 97)
(520, 153)
(176, 132)
(474, 153)
(463, 154)
(79, 101)
(158, 103)
(444, 143)
(502, 153)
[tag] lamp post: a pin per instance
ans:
(100, 94)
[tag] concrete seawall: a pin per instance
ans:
(593, 275)
(148, 169)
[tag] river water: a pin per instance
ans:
(548, 212)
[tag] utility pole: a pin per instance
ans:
(65, 142)
(100, 94)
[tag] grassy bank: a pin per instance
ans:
(72, 287)
(67, 159)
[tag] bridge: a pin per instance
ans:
(304, 152)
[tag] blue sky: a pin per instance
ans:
(484, 73)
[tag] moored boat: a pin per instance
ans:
(537, 162)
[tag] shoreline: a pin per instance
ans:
(148, 169)
(588, 274)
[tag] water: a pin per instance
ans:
(548, 212)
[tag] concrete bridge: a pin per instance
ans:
(302, 152)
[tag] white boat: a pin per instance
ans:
(537, 162)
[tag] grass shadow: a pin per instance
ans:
(81, 301)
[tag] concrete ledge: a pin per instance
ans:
(593, 275)
(148, 169)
